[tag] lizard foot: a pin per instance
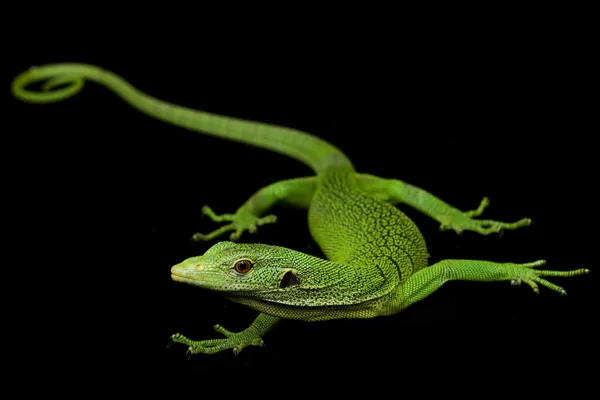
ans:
(461, 221)
(241, 221)
(236, 341)
(518, 273)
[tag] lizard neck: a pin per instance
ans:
(318, 283)
(327, 290)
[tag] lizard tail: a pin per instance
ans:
(65, 80)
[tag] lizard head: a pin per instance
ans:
(278, 280)
(240, 268)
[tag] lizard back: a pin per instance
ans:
(356, 229)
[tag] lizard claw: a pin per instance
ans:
(237, 350)
(485, 202)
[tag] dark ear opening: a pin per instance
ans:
(289, 279)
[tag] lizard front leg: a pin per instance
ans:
(396, 191)
(295, 192)
(429, 279)
(251, 336)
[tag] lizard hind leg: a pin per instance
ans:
(396, 191)
(241, 221)
(465, 221)
(295, 192)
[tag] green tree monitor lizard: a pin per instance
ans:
(376, 258)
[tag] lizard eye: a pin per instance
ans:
(243, 266)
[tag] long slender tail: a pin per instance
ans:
(316, 153)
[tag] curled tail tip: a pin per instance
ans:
(35, 74)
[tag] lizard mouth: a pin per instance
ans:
(183, 274)
(182, 279)
(205, 281)
(179, 274)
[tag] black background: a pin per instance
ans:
(106, 199)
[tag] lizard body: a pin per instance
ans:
(376, 258)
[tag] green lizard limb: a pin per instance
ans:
(428, 280)
(293, 192)
(251, 336)
(396, 191)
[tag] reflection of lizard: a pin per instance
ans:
(376, 257)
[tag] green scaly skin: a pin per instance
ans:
(376, 258)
